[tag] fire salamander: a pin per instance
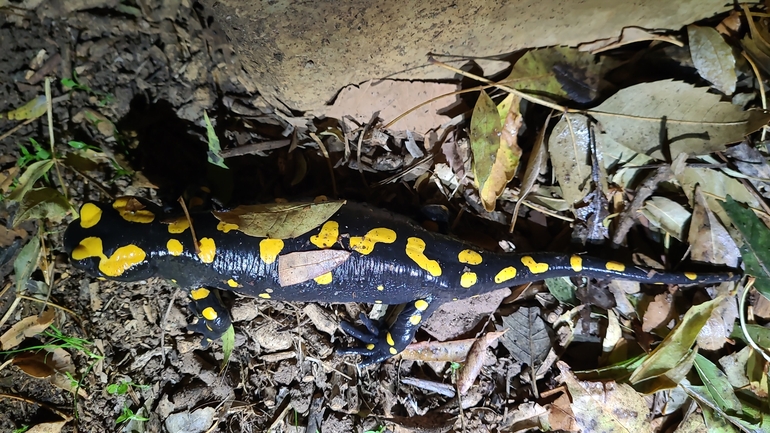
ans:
(391, 261)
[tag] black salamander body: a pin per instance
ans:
(391, 261)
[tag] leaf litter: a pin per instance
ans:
(656, 152)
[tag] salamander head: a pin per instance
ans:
(106, 240)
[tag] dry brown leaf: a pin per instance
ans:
(296, 268)
(606, 406)
(568, 147)
(629, 35)
(709, 240)
(27, 327)
(476, 358)
(47, 427)
(658, 312)
(713, 58)
(53, 365)
(697, 122)
(393, 98)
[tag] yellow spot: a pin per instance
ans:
(615, 266)
(269, 249)
(324, 279)
(421, 305)
(208, 250)
(209, 313)
(174, 247)
(378, 301)
(577, 263)
(232, 283)
(370, 346)
(393, 351)
(226, 227)
(199, 294)
(534, 267)
(196, 202)
(365, 244)
(121, 260)
(178, 226)
(264, 295)
(505, 275)
(389, 339)
(90, 214)
(144, 216)
(88, 247)
(469, 257)
(415, 320)
(468, 279)
(327, 236)
(691, 275)
(415, 248)
(380, 287)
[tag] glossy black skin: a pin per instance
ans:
(402, 280)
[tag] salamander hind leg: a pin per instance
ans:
(381, 343)
(213, 318)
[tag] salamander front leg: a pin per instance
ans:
(382, 343)
(213, 318)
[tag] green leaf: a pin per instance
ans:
(31, 110)
(228, 344)
(279, 220)
(485, 133)
(27, 180)
(717, 384)
(758, 333)
(561, 73)
(755, 250)
(42, 203)
(26, 262)
(562, 289)
(676, 346)
(214, 147)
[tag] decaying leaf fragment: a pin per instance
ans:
(279, 220)
(494, 143)
(296, 268)
(53, 365)
(696, 122)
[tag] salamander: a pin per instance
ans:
(384, 259)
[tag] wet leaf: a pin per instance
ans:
(213, 153)
(562, 73)
(713, 57)
(296, 268)
(697, 122)
(279, 220)
(31, 110)
(676, 346)
(26, 327)
(508, 154)
(667, 215)
(569, 149)
(717, 384)
(755, 237)
(27, 180)
(42, 203)
(610, 406)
